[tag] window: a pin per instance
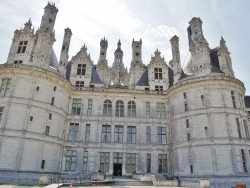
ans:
(244, 163)
(37, 88)
(31, 118)
(5, 87)
(147, 109)
(233, 99)
(131, 109)
(22, 46)
(104, 162)
(89, 110)
(158, 88)
(160, 110)
(158, 73)
(246, 129)
(85, 162)
(54, 88)
(191, 169)
(162, 163)
(47, 130)
(238, 127)
(186, 106)
(50, 116)
(184, 95)
(18, 62)
(118, 134)
(161, 134)
(188, 136)
(119, 109)
(87, 133)
(52, 101)
(187, 123)
(130, 162)
(79, 84)
(43, 164)
(70, 160)
(148, 162)
(131, 135)
(202, 100)
(76, 106)
(118, 158)
(148, 134)
(106, 133)
(107, 108)
(73, 131)
(1, 113)
(81, 69)
(248, 115)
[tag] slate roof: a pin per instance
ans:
(215, 61)
(247, 101)
(95, 77)
(53, 59)
(143, 81)
(68, 70)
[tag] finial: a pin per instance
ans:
(119, 43)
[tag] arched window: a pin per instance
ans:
(131, 109)
(119, 109)
(107, 108)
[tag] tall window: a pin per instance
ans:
(87, 133)
(52, 100)
(119, 109)
(89, 110)
(148, 135)
(244, 163)
(202, 100)
(118, 158)
(246, 129)
(1, 113)
(47, 128)
(158, 73)
(188, 136)
(106, 133)
(248, 115)
(187, 123)
(118, 134)
(104, 162)
(85, 162)
(73, 131)
(162, 163)
(79, 84)
(107, 108)
(130, 162)
(131, 109)
(70, 160)
(184, 95)
(233, 99)
(81, 69)
(160, 110)
(161, 133)
(158, 88)
(5, 86)
(148, 162)
(238, 127)
(147, 109)
(22, 47)
(131, 135)
(76, 106)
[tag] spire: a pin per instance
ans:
(119, 44)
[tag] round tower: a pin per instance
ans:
(49, 17)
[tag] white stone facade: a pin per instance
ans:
(80, 118)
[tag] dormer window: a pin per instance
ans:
(22, 47)
(158, 73)
(81, 69)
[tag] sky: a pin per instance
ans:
(154, 22)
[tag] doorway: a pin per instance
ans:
(117, 171)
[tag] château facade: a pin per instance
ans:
(73, 116)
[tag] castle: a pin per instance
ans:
(77, 117)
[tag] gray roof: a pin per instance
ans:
(143, 81)
(68, 70)
(215, 61)
(53, 59)
(247, 101)
(95, 77)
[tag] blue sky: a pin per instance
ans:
(155, 22)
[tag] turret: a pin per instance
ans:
(65, 50)
(49, 18)
(103, 50)
(118, 53)
(136, 54)
(199, 48)
(175, 64)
